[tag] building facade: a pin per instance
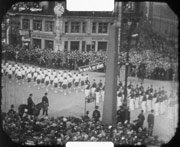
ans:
(163, 19)
(68, 32)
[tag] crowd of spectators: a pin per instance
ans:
(159, 57)
(58, 131)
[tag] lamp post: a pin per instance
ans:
(129, 38)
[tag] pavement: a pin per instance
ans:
(74, 104)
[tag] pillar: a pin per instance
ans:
(110, 100)
(58, 31)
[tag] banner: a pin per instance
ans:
(91, 67)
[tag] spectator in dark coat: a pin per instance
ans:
(45, 102)
(96, 114)
(150, 121)
(11, 111)
(30, 104)
(141, 119)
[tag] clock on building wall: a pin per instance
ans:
(59, 9)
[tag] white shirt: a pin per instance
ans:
(23, 72)
(61, 79)
(54, 73)
(65, 75)
(10, 72)
(47, 78)
(70, 80)
(56, 80)
(29, 75)
(51, 77)
(76, 79)
(19, 73)
(79, 76)
(38, 77)
(35, 74)
(42, 75)
(65, 82)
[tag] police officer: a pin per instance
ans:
(141, 119)
(150, 121)
(30, 104)
(96, 114)
(45, 102)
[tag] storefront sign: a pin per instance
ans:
(42, 36)
(99, 38)
(25, 38)
(91, 67)
(75, 38)
(24, 32)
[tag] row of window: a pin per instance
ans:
(70, 27)
(74, 45)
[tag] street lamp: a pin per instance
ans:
(130, 36)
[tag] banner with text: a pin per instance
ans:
(91, 67)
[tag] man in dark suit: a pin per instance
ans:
(150, 121)
(96, 114)
(45, 102)
(141, 119)
(30, 104)
(121, 115)
(127, 115)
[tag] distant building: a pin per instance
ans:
(41, 26)
(163, 20)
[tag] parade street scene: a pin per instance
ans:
(89, 76)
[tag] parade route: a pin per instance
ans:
(73, 104)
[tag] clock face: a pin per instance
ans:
(58, 9)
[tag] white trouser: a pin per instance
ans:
(102, 92)
(131, 104)
(153, 103)
(119, 101)
(143, 106)
(156, 109)
(87, 92)
(93, 90)
(97, 97)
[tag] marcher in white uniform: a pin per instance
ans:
(29, 77)
(97, 92)
(154, 100)
(157, 105)
(42, 79)
(76, 83)
(87, 90)
(51, 79)
(93, 87)
(19, 76)
(38, 80)
(23, 75)
(131, 101)
(119, 98)
(143, 103)
(9, 75)
(70, 80)
(47, 82)
(55, 84)
(82, 82)
(61, 82)
(65, 82)
(102, 92)
(35, 76)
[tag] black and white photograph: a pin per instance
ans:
(89, 75)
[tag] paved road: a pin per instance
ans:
(73, 104)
